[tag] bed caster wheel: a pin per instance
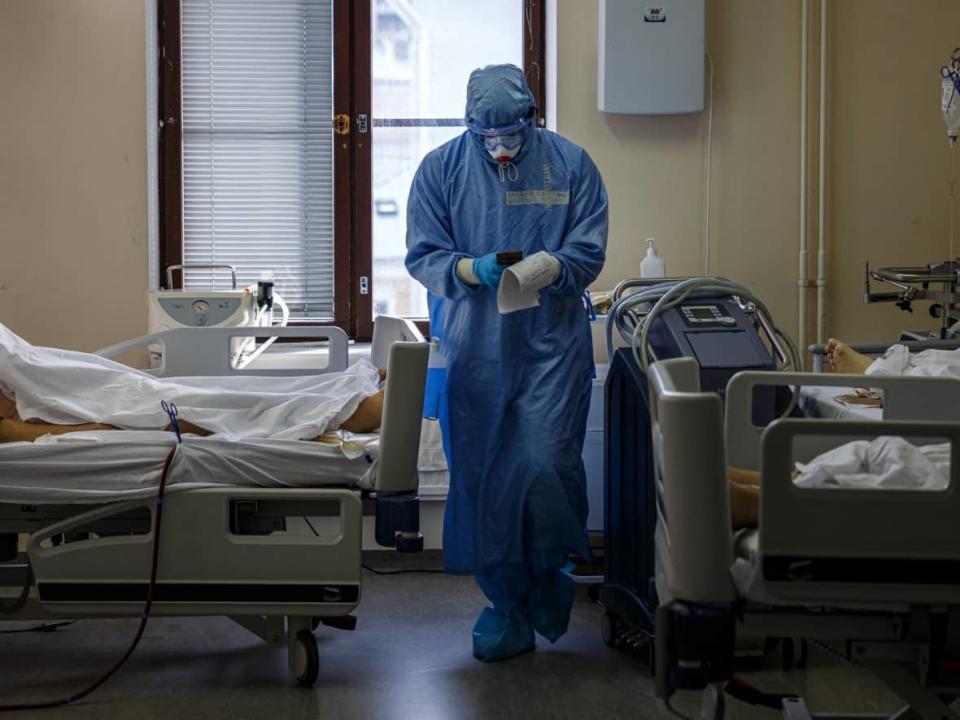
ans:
(409, 543)
(610, 627)
(593, 593)
(305, 659)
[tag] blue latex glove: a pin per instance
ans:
(487, 270)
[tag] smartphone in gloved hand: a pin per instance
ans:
(510, 257)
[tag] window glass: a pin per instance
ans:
(257, 146)
(422, 54)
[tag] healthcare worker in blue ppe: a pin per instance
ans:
(518, 385)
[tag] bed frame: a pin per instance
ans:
(278, 561)
(872, 575)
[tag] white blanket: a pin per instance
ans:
(884, 462)
(898, 360)
(66, 387)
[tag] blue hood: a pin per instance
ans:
(498, 95)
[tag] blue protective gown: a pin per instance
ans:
(518, 385)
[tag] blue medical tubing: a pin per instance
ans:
(588, 304)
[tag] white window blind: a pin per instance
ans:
(258, 146)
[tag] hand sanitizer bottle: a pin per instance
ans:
(652, 266)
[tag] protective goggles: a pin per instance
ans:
(510, 129)
(506, 142)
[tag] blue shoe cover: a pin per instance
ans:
(549, 603)
(498, 637)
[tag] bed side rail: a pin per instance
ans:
(874, 349)
(207, 351)
(893, 538)
(694, 539)
(905, 398)
(402, 411)
(388, 330)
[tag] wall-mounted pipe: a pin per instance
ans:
(822, 188)
(803, 279)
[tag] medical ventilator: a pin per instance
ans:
(247, 307)
(726, 329)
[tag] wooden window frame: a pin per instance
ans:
(353, 156)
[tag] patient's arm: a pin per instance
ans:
(367, 417)
(843, 359)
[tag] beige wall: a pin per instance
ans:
(889, 161)
(73, 256)
(889, 158)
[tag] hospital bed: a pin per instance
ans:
(820, 401)
(238, 537)
(870, 575)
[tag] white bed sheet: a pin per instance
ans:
(107, 466)
(821, 402)
(884, 462)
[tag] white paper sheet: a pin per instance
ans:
(520, 284)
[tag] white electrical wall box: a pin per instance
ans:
(651, 57)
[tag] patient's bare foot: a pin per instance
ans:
(367, 417)
(843, 359)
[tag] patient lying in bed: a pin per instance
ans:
(897, 360)
(884, 462)
(49, 391)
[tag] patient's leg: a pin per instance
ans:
(744, 497)
(367, 418)
(744, 506)
(843, 359)
(19, 431)
(739, 476)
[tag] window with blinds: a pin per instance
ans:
(257, 84)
